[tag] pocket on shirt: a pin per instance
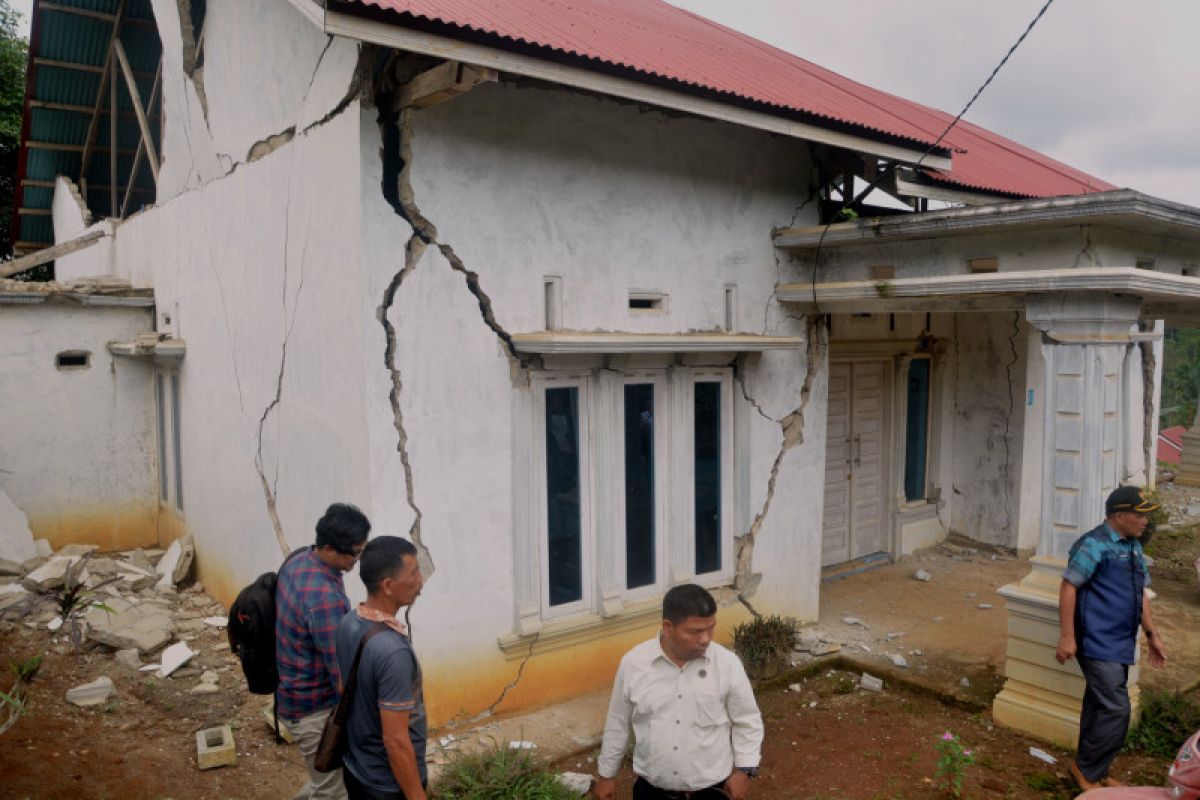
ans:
(711, 713)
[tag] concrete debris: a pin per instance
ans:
(127, 626)
(29, 565)
(138, 558)
(128, 658)
(923, 576)
(522, 745)
(176, 563)
(899, 660)
(854, 621)
(1042, 755)
(207, 684)
(54, 624)
(16, 541)
(826, 648)
(91, 694)
(102, 567)
(964, 682)
(985, 606)
(870, 683)
(215, 747)
(78, 550)
(174, 657)
(10, 567)
(794, 687)
(51, 575)
(895, 635)
(149, 668)
(916, 652)
(578, 782)
(216, 622)
(937, 619)
(42, 548)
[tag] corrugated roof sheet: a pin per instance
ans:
(654, 39)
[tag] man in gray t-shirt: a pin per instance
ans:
(385, 759)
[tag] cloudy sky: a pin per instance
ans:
(1109, 86)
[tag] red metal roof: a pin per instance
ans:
(1170, 444)
(653, 38)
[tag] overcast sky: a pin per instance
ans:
(1109, 86)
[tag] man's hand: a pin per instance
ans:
(1158, 651)
(738, 784)
(1066, 649)
(606, 788)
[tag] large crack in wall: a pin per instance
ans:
(745, 580)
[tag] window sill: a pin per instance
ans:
(581, 629)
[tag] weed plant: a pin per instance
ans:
(764, 640)
(1168, 719)
(499, 773)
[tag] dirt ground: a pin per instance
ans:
(832, 741)
(850, 744)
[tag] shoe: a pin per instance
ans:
(1111, 782)
(1083, 782)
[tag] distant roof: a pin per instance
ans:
(656, 41)
(1170, 444)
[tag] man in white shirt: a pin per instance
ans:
(689, 706)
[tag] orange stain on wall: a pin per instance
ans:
(122, 527)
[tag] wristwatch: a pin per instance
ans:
(749, 772)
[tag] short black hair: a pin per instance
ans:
(688, 600)
(342, 527)
(382, 558)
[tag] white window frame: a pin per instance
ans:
(168, 402)
(723, 376)
(538, 462)
(662, 462)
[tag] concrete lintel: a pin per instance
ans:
(555, 342)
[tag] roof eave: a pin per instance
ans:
(1120, 208)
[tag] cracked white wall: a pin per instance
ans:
(78, 450)
(522, 182)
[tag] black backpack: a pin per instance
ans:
(252, 631)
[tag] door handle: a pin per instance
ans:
(857, 451)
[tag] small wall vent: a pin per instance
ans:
(647, 302)
(73, 359)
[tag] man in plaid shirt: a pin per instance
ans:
(310, 601)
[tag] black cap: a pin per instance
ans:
(1129, 498)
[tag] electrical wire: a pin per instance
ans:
(847, 202)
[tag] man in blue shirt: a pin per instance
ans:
(385, 730)
(1101, 602)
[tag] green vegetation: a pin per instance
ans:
(499, 773)
(764, 644)
(1181, 376)
(1168, 719)
(12, 96)
(953, 761)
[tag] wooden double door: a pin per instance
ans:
(854, 524)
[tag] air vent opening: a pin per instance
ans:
(73, 359)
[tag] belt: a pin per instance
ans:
(686, 794)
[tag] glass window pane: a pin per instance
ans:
(564, 530)
(639, 485)
(707, 470)
(917, 430)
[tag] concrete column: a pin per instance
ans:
(1083, 347)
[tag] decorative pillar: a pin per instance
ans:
(1083, 347)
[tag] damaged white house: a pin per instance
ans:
(556, 289)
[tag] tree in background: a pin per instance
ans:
(1181, 376)
(13, 50)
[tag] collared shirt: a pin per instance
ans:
(1110, 573)
(691, 725)
(310, 601)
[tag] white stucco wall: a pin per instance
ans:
(78, 453)
(989, 413)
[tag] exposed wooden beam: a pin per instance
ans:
(147, 140)
(35, 212)
(94, 125)
(47, 254)
(49, 62)
(442, 83)
(37, 184)
(74, 148)
(81, 12)
(144, 146)
(112, 132)
(76, 109)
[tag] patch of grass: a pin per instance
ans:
(764, 643)
(499, 773)
(1168, 719)
(1049, 785)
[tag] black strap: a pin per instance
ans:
(343, 706)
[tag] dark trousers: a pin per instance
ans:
(357, 790)
(1104, 719)
(644, 790)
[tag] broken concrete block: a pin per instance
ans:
(216, 622)
(91, 694)
(51, 575)
(985, 606)
(138, 558)
(269, 715)
(128, 658)
(42, 548)
(54, 624)
(176, 563)
(78, 550)
(103, 567)
(578, 782)
(30, 564)
(870, 683)
(215, 748)
(853, 621)
(826, 648)
(899, 661)
(16, 541)
(10, 567)
(923, 576)
(174, 657)
(129, 626)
